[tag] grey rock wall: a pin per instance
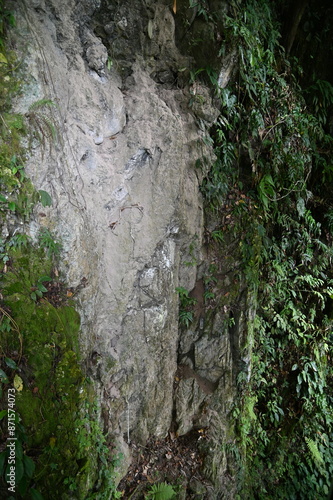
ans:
(127, 209)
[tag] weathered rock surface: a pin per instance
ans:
(129, 213)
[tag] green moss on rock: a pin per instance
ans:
(56, 405)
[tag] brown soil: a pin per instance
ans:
(174, 460)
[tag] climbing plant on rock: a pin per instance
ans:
(275, 146)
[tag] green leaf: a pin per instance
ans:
(301, 207)
(19, 450)
(109, 63)
(3, 199)
(35, 495)
(11, 19)
(11, 363)
(186, 318)
(3, 377)
(19, 470)
(23, 485)
(12, 206)
(41, 104)
(44, 278)
(45, 198)
(218, 236)
(29, 466)
(183, 292)
(3, 59)
(266, 190)
(314, 366)
(3, 413)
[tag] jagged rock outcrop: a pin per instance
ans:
(128, 210)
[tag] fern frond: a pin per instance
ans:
(314, 452)
(49, 126)
(41, 103)
(161, 491)
(249, 408)
(42, 123)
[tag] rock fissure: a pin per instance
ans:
(186, 372)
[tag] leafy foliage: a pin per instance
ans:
(42, 123)
(185, 307)
(161, 491)
(47, 241)
(39, 289)
(320, 97)
(273, 144)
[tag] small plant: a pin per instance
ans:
(18, 241)
(109, 63)
(70, 483)
(160, 491)
(184, 297)
(47, 241)
(208, 295)
(38, 290)
(193, 260)
(210, 281)
(201, 9)
(17, 168)
(41, 122)
(90, 434)
(185, 318)
(218, 236)
(186, 302)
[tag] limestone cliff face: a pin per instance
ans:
(128, 210)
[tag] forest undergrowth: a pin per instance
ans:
(273, 144)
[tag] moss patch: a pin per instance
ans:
(44, 349)
(57, 419)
